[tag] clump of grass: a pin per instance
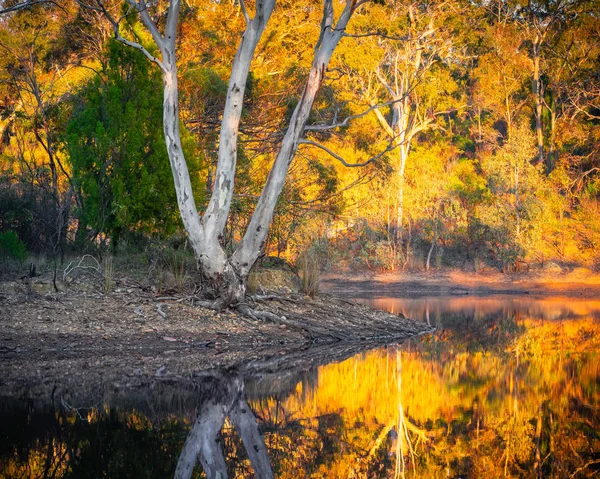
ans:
(107, 272)
(311, 274)
(478, 263)
(178, 270)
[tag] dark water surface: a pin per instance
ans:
(506, 387)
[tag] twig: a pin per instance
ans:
(585, 466)
(70, 268)
(160, 311)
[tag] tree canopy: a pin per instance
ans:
(410, 135)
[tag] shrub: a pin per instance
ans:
(11, 246)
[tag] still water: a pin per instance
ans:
(506, 387)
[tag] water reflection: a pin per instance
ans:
(433, 310)
(222, 396)
(500, 390)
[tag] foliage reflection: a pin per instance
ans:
(495, 392)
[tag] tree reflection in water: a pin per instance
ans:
(222, 396)
(490, 394)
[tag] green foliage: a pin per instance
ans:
(11, 246)
(117, 150)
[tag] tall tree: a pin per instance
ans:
(542, 23)
(225, 277)
(35, 74)
(413, 78)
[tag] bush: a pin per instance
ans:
(12, 247)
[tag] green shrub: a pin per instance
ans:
(11, 246)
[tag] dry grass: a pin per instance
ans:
(310, 274)
(108, 272)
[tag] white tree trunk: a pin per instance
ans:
(223, 396)
(215, 217)
(201, 444)
(245, 424)
(256, 235)
(215, 269)
(227, 277)
(400, 213)
(537, 92)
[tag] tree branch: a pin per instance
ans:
(391, 146)
(377, 34)
(347, 120)
(149, 24)
(25, 5)
(116, 29)
(244, 11)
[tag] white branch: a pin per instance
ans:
(141, 48)
(81, 265)
(116, 29)
(348, 119)
(142, 8)
(244, 11)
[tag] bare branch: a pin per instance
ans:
(384, 123)
(377, 34)
(244, 10)
(359, 3)
(89, 7)
(142, 49)
(348, 119)
(116, 24)
(391, 146)
(142, 8)
(24, 5)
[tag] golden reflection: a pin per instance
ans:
(526, 407)
(478, 307)
(509, 394)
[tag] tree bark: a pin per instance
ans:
(201, 444)
(225, 278)
(245, 423)
(222, 396)
(537, 92)
(215, 217)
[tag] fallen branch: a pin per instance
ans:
(80, 265)
(159, 310)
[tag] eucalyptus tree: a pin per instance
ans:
(543, 22)
(34, 74)
(412, 79)
(224, 276)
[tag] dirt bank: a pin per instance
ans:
(132, 335)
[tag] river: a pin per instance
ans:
(506, 387)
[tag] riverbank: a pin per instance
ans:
(135, 335)
(576, 283)
(132, 336)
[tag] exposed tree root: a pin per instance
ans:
(326, 319)
(321, 319)
(258, 315)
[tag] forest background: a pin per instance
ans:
(446, 134)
